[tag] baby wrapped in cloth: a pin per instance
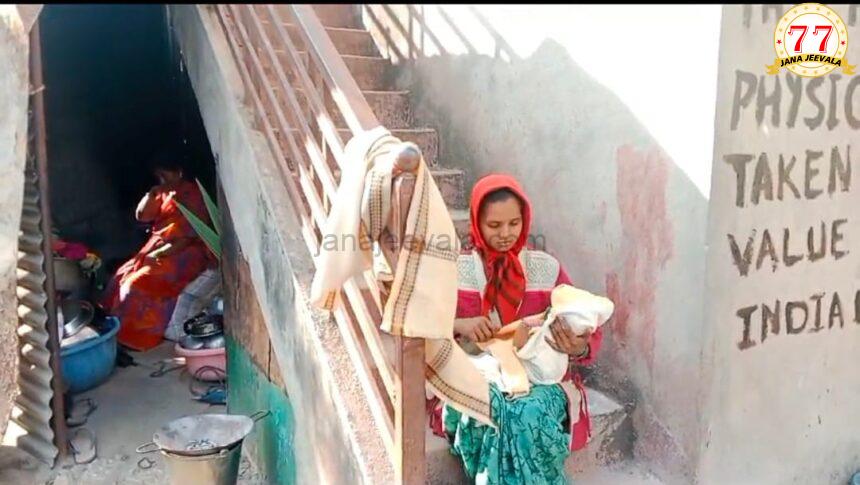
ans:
(538, 363)
(582, 312)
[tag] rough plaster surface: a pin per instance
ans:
(782, 401)
(625, 215)
(272, 442)
(325, 397)
(14, 82)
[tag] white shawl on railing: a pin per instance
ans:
(423, 295)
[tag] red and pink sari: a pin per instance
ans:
(143, 292)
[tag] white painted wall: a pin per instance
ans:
(607, 120)
(621, 46)
(782, 409)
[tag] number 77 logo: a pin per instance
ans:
(818, 28)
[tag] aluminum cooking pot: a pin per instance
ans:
(203, 325)
(202, 434)
(191, 342)
(215, 342)
(76, 314)
(217, 306)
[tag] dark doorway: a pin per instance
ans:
(116, 95)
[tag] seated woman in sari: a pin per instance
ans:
(501, 281)
(143, 291)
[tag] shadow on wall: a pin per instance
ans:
(622, 217)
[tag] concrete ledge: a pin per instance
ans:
(610, 435)
(443, 468)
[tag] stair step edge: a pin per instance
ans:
(599, 404)
(338, 29)
(374, 92)
(437, 170)
(350, 56)
(459, 214)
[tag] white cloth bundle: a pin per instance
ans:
(579, 309)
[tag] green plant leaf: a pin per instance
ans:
(214, 213)
(206, 233)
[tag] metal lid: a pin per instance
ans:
(202, 434)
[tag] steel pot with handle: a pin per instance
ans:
(204, 448)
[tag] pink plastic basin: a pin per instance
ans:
(195, 359)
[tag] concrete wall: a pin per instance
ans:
(252, 368)
(272, 441)
(333, 441)
(613, 142)
(783, 330)
(14, 91)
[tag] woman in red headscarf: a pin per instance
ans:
(144, 290)
(500, 281)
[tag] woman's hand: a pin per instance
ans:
(169, 194)
(149, 206)
(521, 336)
(565, 341)
(476, 329)
(156, 254)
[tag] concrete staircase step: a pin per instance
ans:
(346, 40)
(426, 138)
(606, 415)
(611, 435)
(338, 14)
(443, 468)
(461, 223)
(392, 108)
(445, 179)
(330, 14)
(370, 73)
(451, 183)
(625, 473)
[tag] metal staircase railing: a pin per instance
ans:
(296, 89)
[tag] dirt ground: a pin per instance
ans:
(132, 405)
(18, 468)
(627, 473)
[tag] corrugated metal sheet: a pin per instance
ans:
(30, 425)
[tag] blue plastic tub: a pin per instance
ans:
(87, 364)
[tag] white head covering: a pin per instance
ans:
(582, 311)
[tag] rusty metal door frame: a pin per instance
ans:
(58, 422)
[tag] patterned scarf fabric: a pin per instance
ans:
(423, 298)
(506, 281)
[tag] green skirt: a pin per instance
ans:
(529, 446)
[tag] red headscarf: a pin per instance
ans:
(506, 281)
